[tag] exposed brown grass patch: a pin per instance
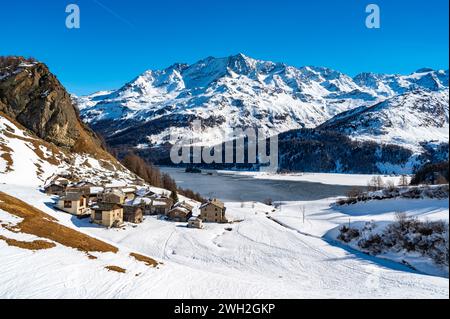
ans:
(11, 228)
(147, 260)
(33, 245)
(13, 121)
(39, 169)
(107, 165)
(36, 147)
(91, 257)
(37, 223)
(9, 128)
(6, 156)
(87, 164)
(116, 269)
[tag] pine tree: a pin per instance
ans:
(174, 196)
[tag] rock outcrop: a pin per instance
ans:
(31, 95)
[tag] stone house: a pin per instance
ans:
(107, 214)
(142, 202)
(144, 192)
(213, 212)
(74, 204)
(154, 205)
(161, 204)
(129, 192)
(194, 222)
(114, 196)
(91, 192)
(55, 189)
(133, 214)
(181, 212)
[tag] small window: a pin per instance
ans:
(67, 204)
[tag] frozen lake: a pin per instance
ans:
(236, 188)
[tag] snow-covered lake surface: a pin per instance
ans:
(251, 186)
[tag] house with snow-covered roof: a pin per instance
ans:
(133, 214)
(74, 204)
(153, 205)
(195, 222)
(107, 214)
(89, 190)
(181, 212)
(113, 196)
(213, 211)
(56, 187)
(130, 192)
(144, 192)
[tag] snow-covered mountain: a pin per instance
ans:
(237, 91)
(408, 120)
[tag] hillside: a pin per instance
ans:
(257, 257)
(41, 134)
(408, 120)
(29, 236)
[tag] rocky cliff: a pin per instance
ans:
(31, 95)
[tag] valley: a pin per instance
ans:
(259, 257)
(280, 235)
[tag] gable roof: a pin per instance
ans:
(139, 201)
(82, 184)
(114, 191)
(128, 190)
(131, 209)
(215, 202)
(106, 206)
(72, 197)
(184, 205)
(53, 185)
(180, 210)
(144, 192)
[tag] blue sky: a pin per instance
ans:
(120, 39)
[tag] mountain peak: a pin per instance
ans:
(241, 64)
(424, 70)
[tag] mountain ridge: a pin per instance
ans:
(240, 92)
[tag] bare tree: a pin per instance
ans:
(380, 183)
(403, 181)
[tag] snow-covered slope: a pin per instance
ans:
(408, 119)
(237, 91)
(28, 160)
(260, 257)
